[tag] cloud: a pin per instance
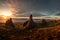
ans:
(35, 7)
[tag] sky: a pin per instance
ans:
(34, 7)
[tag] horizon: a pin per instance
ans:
(23, 19)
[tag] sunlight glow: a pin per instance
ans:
(6, 15)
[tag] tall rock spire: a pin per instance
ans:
(30, 23)
(31, 18)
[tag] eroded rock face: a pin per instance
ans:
(30, 23)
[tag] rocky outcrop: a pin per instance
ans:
(9, 23)
(29, 24)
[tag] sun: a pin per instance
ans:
(6, 14)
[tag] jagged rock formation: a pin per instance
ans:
(29, 24)
(9, 23)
